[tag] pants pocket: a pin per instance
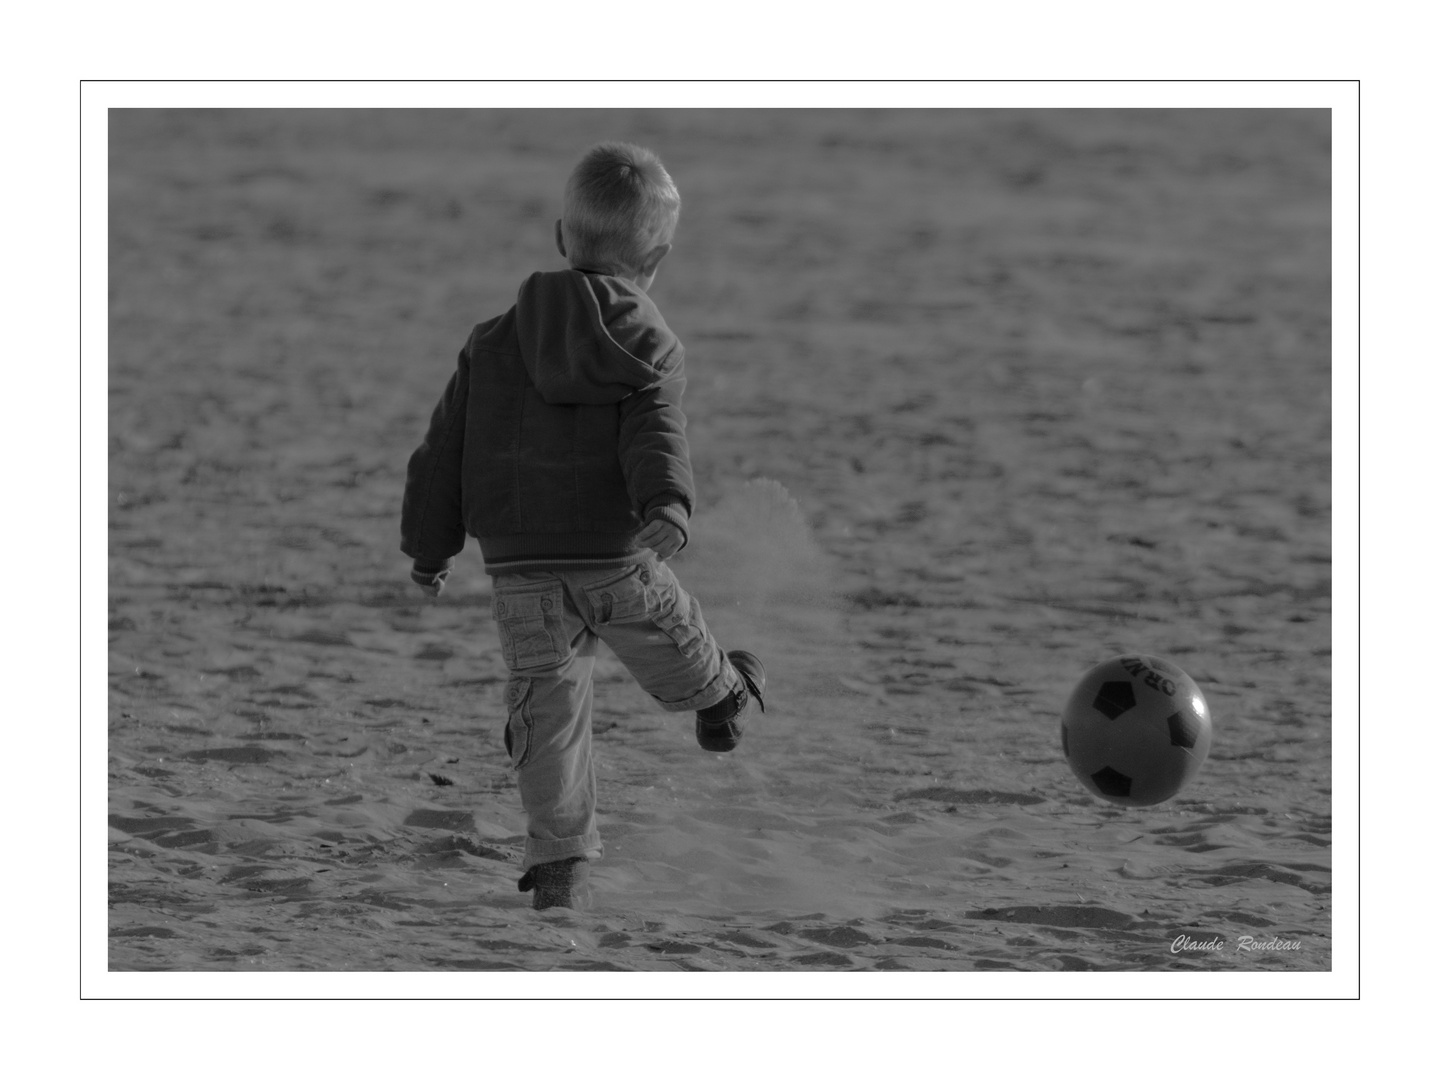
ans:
(520, 723)
(679, 617)
(531, 625)
(630, 597)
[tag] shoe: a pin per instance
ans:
(719, 727)
(559, 884)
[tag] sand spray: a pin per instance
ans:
(751, 830)
(765, 584)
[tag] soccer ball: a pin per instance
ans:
(1135, 730)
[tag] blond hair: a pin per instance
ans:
(620, 204)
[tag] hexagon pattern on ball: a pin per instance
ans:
(1135, 730)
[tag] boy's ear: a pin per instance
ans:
(652, 260)
(560, 237)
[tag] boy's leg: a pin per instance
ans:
(551, 656)
(657, 630)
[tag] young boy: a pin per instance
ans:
(560, 445)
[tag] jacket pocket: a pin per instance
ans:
(531, 625)
(520, 722)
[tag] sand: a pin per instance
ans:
(977, 400)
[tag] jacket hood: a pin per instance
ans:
(591, 339)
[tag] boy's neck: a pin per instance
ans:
(624, 275)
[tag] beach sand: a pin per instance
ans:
(977, 400)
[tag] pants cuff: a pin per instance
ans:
(713, 694)
(543, 851)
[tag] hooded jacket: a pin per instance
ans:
(559, 436)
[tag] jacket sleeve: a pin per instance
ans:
(432, 527)
(654, 454)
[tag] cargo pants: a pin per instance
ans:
(551, 623)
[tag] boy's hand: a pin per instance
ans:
(431, 583)
(662, 537)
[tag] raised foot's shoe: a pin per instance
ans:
(719, 727)
(559, 884)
